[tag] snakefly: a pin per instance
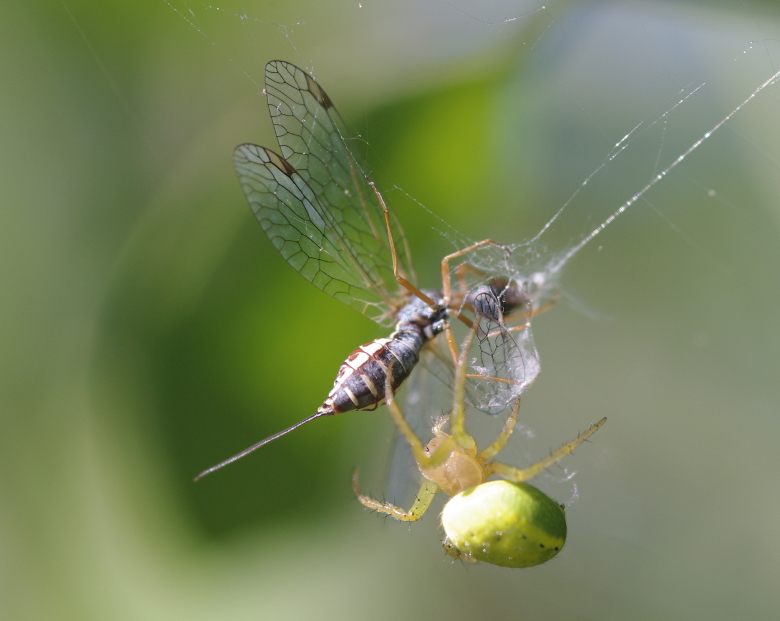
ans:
(330, 224)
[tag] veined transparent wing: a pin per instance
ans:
(314, 139)
(319, 211)
(507, 360)
(502, 361)
(315, 202)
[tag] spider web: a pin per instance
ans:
(677, 98)
(636, 105)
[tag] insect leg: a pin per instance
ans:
(447, 288)
(445, 263)
(532, 312)
(401, 280)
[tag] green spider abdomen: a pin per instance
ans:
(504, 523)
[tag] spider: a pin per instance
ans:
(504, 522)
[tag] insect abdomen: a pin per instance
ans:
(361, 381)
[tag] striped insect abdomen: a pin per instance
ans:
(362, 379)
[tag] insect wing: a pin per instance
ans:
(285, 207)
(507, 361)
(314, 141)
(501, 365)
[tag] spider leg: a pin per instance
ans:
(523, 474)
(420, 506)
(499, 443)
(425, 461)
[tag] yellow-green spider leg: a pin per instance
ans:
(458, 414)
(424, 497)
(424, 460)
(523, 474)
(500, 442)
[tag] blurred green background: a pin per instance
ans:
(149, 329)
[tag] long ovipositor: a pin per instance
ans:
(361, 382)
(362, 378)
